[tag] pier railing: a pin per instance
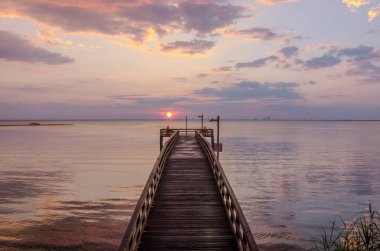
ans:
(140, 215)
(167, 132)
(239, 224)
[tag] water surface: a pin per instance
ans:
(75, 187)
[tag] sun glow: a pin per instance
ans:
(169, 115)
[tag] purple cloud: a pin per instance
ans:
(253, 90)
(360, 57)
(256, 63)
(257, 33)
(326, 60)
(195, 46)
(368, 70)
(273, 2)
(206, 16)
(289, 51)
(359, 53)
(148, 101)
(223, 68)
(202, 75)
(16, 48)
(131, 18)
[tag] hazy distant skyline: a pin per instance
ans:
(99, 59)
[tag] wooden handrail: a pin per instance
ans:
(239, 224)
(140, 215)
(167, 132)
(205, 132)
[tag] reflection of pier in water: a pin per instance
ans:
(187, 202)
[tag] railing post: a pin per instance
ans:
(217, 137)
(217, 120)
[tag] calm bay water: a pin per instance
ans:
(75, 187)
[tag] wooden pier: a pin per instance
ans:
(187, 203)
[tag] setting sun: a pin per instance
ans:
(169, 114)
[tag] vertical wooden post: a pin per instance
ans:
(212, 140)
(186, 125)
(201, 116)
(217, 120)
(217, 136)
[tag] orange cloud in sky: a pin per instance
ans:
(49, 36)
(273, 2)
(374, 12)
(354, 4)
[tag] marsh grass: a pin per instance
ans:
(362, 234)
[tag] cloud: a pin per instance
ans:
(223, 68)
(355, 4)
(263, 34)
(361, 61)
(16, 48)
(130, 18)
(258, 33)
(367, 70)
(330, 58)
(202, 75)
(48, 36)
(273, 2)
(361, 52)
(256, 63)
(253, 90)
(207, 16)
(196, 46)
(286, 52)
(334, 57)
(126, 97)
(326, 60)
(147, 100)
(325, 112)
(373, 13)
(289, 51)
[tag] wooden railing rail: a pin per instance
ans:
(140, 215)
(167, 132)
(239, 224)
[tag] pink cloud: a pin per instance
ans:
(131, 18)
(195, 46)
(273, 2)
(16, 48)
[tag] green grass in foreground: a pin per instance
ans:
(363, 234)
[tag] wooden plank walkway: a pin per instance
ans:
(187, 211)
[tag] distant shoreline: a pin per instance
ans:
(35, 125)
(181, 119)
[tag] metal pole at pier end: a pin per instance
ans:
(218, 145)
(201, 116)
(186, 125)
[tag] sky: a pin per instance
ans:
(240, 59)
